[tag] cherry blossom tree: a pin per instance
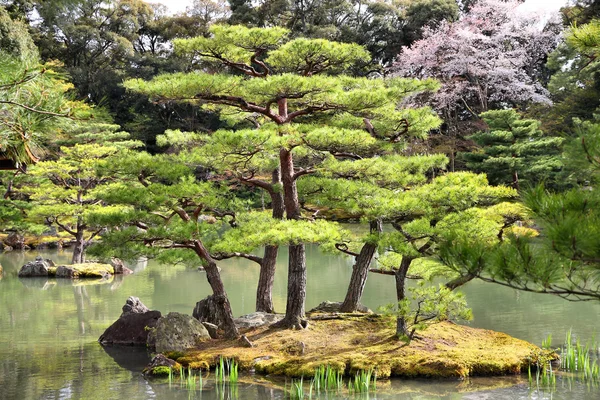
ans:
(493, 57)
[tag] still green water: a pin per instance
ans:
(49, 328)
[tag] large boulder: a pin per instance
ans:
(257, 319)
(177, 332)
(209, 310)
(133, 325)
(38, 267)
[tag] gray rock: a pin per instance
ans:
(257, 319)
(209, 310)
(39, 267)
(160, 361)
(133, 305)
(131, 329)
(65, 272)
(177, 332)
(15, 240)
(119, 267)
(333, 306)
(133, 325)
(212, 329)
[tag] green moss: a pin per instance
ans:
(87, 270)
(162, 370)
(351, 345)
(173, 355)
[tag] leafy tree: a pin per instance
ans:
(32, 95)
(381, 27)
(492, 57)
(432, 305)
(424, 211)
(64, 193)
(515, 150)
(173, 216)
(285, 82)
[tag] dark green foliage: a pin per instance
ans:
(515, 151)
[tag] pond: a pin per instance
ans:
(49, 330)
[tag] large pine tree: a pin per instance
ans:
(292, 89)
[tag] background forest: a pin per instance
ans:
(465, 134)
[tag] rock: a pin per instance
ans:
(133, 305)
(177, 332)
(333, 306)
(208, 310)
(133, 325)
(85, 270)
(15, 241)
(246, 342)
(257, 319)
(119, 267)
(50, 262)
(39, 267)
(66, 272)
(160, 365)
(212, 329)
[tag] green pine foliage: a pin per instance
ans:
(64, 192)
(515, 151)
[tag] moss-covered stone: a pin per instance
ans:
(443, 350)
(85, 270)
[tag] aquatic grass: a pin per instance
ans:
(220, 371)
(170, 376)
(232, 368)
(226, 369)
(364, 382)
(327, 378)
(547, 343)
(296, 390)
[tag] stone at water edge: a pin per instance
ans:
(119, 267)
(133, 305)
(160, 365)
(133, 325)
(177, 332)
(38, 267)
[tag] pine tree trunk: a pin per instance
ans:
(79, 250)
(264, 290)
(400, 276)
(296, 290)
(360, 271)
(219, 293)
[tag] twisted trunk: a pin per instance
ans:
(219, 293)
(360, 271)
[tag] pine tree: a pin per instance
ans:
(515, 151)
(291, 87)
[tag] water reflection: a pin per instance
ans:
(49, 328)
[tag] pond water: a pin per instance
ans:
(49, 330)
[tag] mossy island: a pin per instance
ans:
(359, 343)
